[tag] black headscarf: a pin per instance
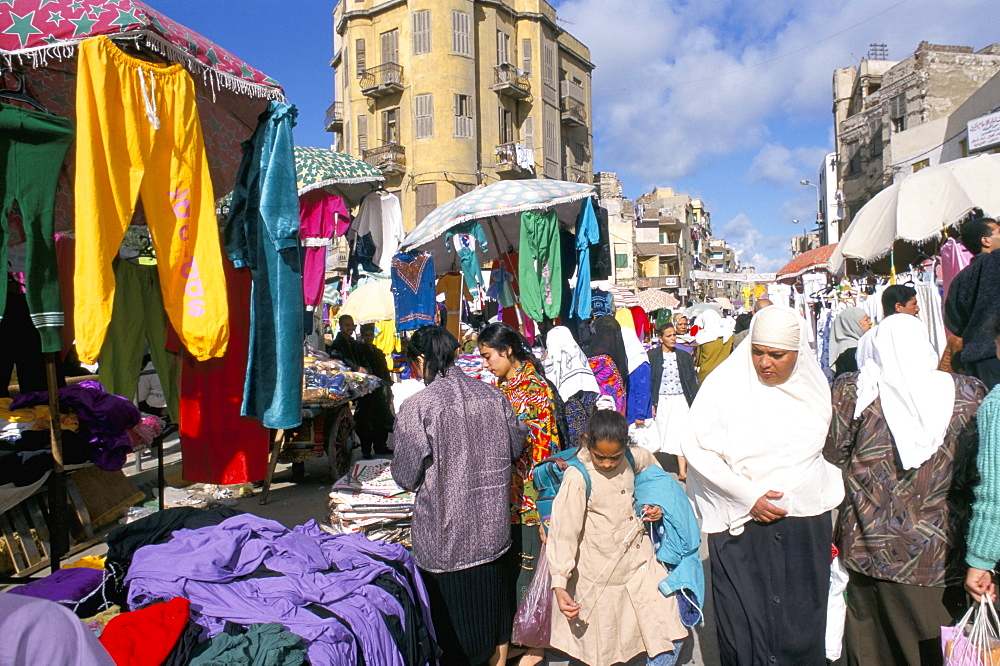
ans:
(607, 339)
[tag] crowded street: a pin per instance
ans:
(499, 333)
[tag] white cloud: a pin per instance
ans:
(777, 164)
(678, 84)
(765, 253)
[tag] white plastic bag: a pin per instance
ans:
(836, 610)
(647, 436)
(974, 643)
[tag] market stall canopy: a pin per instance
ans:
(370, 303)
(723, 303)
(815, 259)
(499, 205)
(338, 173)
(656, 299)
(913, 212)
(40, 41)
(624, 298)
(696, 309)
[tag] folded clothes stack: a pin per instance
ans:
(368, 501)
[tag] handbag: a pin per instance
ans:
(973, 641)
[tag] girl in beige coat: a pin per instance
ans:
(604, 571)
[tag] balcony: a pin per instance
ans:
(510, 81)
(574, 91)
(514, 159)
(574, 112)
(659, 282)
(335, 117)
(382, 81)
(389, 158)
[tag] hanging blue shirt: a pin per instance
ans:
(587, 234)
(413, 290)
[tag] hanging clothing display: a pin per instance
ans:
(540, 266)
(217, 444)
(932, 314)
(641, 321)
(413, 290)
(601, 265)
(600, 303)
(20, 344)
(149, 145)
(381, 216)
(322, 217)
(138, 322)
(33, 145)
(588, 233)
(624, 318)
(954, 257)
(466, 240)
(362, 255)
(262, 234)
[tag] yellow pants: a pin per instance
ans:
(139, 133)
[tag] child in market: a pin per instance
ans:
(605, 575)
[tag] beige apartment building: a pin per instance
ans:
(445, 95)
(890, 116)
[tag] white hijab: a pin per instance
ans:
(748, 438)
(711, 326)
(899, 366)
(634, 350)
(845, 332)
(566, 364)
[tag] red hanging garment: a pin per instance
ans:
(217, 444)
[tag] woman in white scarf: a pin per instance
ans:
(904, 434)
(567, 367)
(764, 493)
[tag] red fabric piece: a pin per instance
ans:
(641, 320)
(145, 637)
(217, 444)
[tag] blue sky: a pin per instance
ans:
(727, 100)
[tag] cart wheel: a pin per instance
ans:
(338, 438)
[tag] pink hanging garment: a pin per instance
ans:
(322, 217)
(954, 257)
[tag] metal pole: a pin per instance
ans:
(59, 529)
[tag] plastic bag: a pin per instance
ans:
(975, 643)
(533, 622)
(836, 610)
(647, 436)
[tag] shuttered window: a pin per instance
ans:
(390, 126)
(359, 56)
(528, 137)
(503, 47)
(362, 132)
(461, 27)
(390, 46)
(463, 117)
(426, 200)
(526, 55)
(549, 65)
(423, 116)
(463, 188)
(506, 126)
(550, 140)
(422, 32)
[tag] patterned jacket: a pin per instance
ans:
(905, 526)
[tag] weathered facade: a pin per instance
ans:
(445, 95)
(621, 226)
(879, 104)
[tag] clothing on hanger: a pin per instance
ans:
(413, 290)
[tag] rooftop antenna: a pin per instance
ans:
(877, 52)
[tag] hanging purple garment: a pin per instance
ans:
(322, 572)
(954, 257)
(104, 416)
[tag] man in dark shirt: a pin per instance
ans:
(373, 417)
(345, 348)
(973, 302)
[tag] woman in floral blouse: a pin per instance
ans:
(507, 355)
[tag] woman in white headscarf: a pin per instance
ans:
(764, 493)
(905, 434)
(715, 342)
(638, 406)
(567, 367)
(847, 329)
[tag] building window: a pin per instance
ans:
(426, 200)
(363, 132)
(423, 116)
(461, 27)
(549, 66)
(390, 46)
(528, 135)
(526, 56)
(878, 146)
(390, 126)
(422, 32)
(506, 126)
(917, 166)
(463, 116)
(853, 158)
(897, 112)
(964, 145)
(621, 260)
(503, 47)
(359, 56)
(550, 140)
(463, 188)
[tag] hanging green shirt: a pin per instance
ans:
(540, 265)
